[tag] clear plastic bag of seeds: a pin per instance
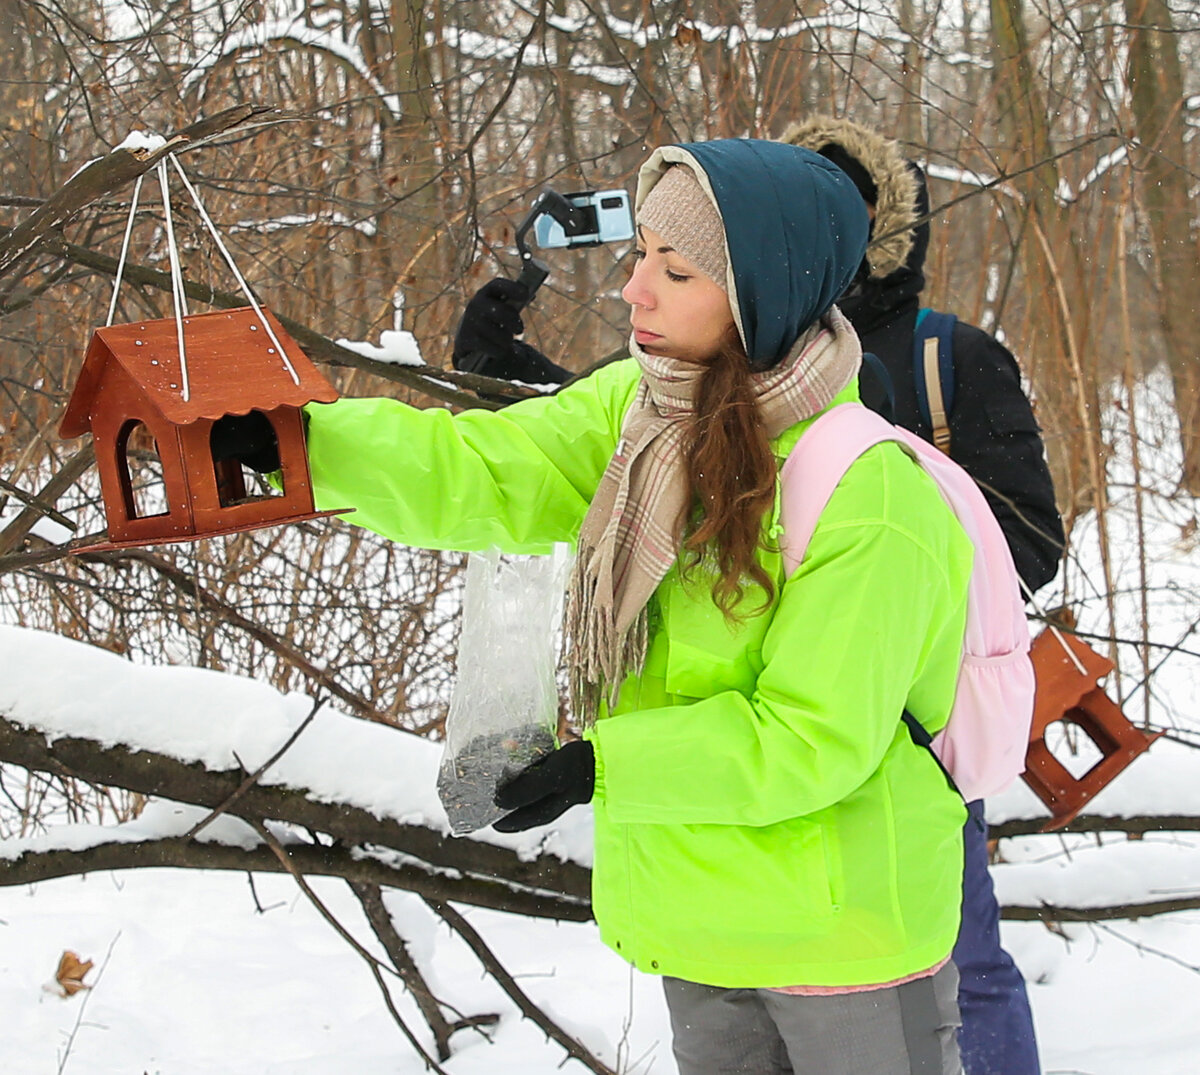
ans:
(504, 709)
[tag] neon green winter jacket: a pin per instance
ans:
(762, 817)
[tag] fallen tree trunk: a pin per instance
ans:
(488, 875)
(367, 849)
(355, 864)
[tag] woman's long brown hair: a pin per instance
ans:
(731, 470)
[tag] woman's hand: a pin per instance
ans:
(548, 787)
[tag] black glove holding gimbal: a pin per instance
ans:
(486, 341)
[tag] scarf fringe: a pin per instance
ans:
(598, 661)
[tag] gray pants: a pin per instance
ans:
(905, 1030)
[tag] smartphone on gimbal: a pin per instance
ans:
(602, 216)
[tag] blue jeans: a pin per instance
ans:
(997, 1026)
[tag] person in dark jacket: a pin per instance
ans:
(993, 436)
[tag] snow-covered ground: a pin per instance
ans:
(195, 980)
(199, 972)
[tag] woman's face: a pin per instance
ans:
(675, 310)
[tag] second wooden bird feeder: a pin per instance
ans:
(1068, 673)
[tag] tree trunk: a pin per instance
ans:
(1156, 81)
(908, 118)
(1064, 372)
(412, 141)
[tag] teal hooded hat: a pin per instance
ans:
(796, 230)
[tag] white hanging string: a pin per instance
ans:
(1053, 629)
(177, 294)
(229, 261)
(112, 306)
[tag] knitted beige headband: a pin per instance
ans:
(678, 209)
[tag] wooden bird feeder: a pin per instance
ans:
(134, 393)
(1069, 692)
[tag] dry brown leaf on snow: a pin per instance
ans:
(70, 974)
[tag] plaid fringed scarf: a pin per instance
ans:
(628, 539)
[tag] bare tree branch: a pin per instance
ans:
(433, 381)
(1136, 825)
(370, 896)
(289, 865)
(32, 501)
(492, 876)
(353, 864)
(104, 175)
(1050, 913)
(530, 1010)
(17, 530)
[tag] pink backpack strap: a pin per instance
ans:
(816, 465)
(983, 745)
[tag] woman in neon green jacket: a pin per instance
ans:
(768, 837)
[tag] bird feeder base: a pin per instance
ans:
(133, 543)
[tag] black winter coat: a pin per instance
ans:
(993, 433)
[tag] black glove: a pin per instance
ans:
(548, 787)
(248, 438)
(486, 342)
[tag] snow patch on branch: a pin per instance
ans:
(137, 141)
(1065, 194)
(161, 819)
(396, 347)
(67, 689)
(477, 46)
(1105, 165)
(304, 220)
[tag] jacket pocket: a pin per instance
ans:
(704, 654)
(699, 672)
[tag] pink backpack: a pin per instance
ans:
(983, 745)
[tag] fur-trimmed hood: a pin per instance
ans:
(897, 183)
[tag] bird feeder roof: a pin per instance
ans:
(233, 366)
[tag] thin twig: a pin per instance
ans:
(1139, 947)
(252, 778)
(372, 963)
(530, 1010)
(62, 1063)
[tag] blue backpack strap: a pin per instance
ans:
(933, 325)
(873, 367)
